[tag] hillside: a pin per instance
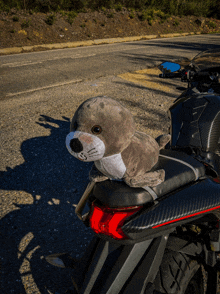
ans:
(18, 28)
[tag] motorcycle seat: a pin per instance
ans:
(180, 169)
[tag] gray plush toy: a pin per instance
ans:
(102, 130)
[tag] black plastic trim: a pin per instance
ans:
(111, 266)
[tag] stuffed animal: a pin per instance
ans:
(103, 130)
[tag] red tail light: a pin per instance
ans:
(108, 221)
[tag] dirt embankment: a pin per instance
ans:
(18, 28)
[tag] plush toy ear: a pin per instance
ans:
(162, 140)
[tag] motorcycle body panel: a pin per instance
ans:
(196, 121)
(116, 268)
(184, 206)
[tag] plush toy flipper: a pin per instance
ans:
(96, 176)
(150, 179)
(162, 140)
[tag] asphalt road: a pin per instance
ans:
(27, 72)
(40, 181)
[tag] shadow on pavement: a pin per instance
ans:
(54, 180)
(151, 60)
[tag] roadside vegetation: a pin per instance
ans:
(205, 8)
(35, 22)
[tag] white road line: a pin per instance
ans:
(44, 88)
(19, 64)
(24, 63)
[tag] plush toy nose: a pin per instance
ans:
(76, 145)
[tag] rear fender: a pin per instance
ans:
(183, 246)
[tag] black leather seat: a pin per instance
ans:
(180, 169)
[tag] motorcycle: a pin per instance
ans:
(165, 240)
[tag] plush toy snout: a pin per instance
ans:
(84, 146)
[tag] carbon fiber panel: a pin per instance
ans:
(194, 199)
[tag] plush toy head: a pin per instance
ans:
(101, 127)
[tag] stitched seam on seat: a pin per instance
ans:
(183, 162)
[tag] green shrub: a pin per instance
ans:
(70, 16)
(62, 13)
(25, 24)
(136, 4)
(212, 24)
(2, 5)
(6, 5)
(160, 13)
(50, 19)
(151, 13)
(15, 18)
(43, 6)
(197, 8)
(174, 7)
(150, 21)
(147, 15)
(110, 15)
(132, 15)
(176, 22)
(214, 10)
(118, 7)
(163, 16)
(103, 9)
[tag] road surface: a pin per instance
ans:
(40, 181)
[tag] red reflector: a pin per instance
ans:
(108, 221)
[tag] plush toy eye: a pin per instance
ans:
(96, 130)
